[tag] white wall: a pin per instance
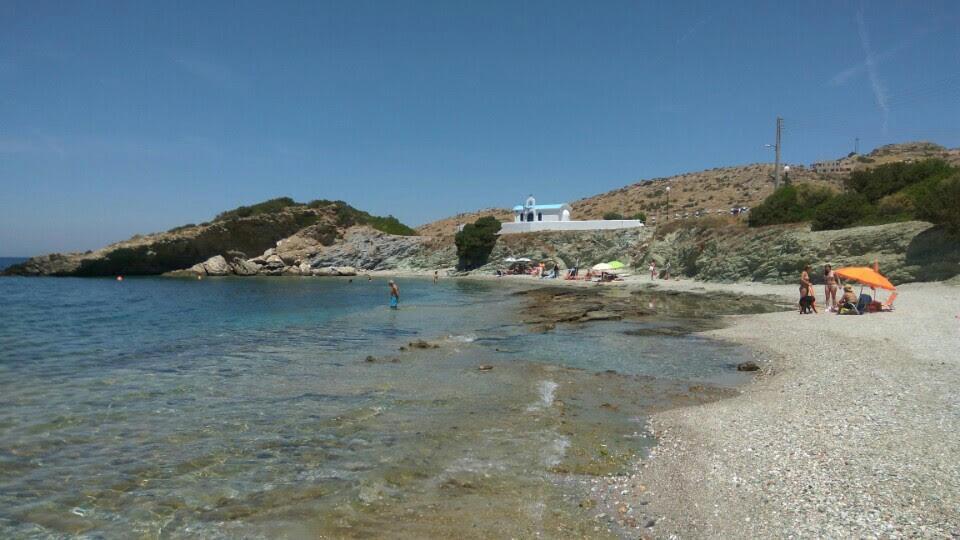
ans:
(591, 225)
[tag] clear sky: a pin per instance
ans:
(131, 117)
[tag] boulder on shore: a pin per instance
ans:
(241, 267)
(217, 266)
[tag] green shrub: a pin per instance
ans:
(182, 227)
(476, 241)
(612, 215)
(842, 211)
(266, 207)
(640, 216)
(789, 204)
(390, 225)
(895, 205)
(939, 203)
(876, 183)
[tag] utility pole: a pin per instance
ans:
(776, 147)
(856, 146)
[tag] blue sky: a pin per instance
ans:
(131, 117)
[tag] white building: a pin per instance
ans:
(533, 217)
(530, 211)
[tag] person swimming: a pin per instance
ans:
(394, 295)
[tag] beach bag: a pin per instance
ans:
(864, 301)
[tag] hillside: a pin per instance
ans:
(247, 230)
(714, 190)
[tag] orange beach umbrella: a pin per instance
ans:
(867, 276)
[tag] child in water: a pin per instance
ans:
(394, 295)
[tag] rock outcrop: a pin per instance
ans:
(178, 248)
(312, 252)
(726, 251)
(905, 252)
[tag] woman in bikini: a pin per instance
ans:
(806, 292)
(831, 284)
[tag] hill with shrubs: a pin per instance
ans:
(926, 190)
(246, 230)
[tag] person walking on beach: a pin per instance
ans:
(394, 295)
(666, 271)
(830, 286)
(806, 290)
(653, 270)
(436, 276)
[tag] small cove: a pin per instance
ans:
(286, 406)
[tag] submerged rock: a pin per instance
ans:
(749, 365)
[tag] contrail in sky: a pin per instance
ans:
(878, 91)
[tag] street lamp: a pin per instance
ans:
(786, 174)
(776, 164)
(668, 202)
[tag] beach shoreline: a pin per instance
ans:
(847, 430)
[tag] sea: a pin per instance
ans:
(10, 261)
(306, 408)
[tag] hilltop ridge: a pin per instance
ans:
(709, 191)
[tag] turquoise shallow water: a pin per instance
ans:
(285, 407)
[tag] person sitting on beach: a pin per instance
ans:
(848, 302)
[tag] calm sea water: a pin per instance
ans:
(10, 261)
(284, 407)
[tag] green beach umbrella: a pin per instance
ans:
(616, 265)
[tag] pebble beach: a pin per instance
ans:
(850, 429)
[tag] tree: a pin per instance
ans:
(884, 180)
(789, 204)
(640, 216)
(612, 215)
(476, 241)
(840, 212)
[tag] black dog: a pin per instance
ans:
(808, 304)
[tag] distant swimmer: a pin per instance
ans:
(394, 295)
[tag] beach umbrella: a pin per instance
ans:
(866, 275)
(616, 265)
(510, 260)
(523, 259)
(602, 267)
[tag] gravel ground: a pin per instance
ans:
(852, 429)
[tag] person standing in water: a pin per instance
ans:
(394, 295)
(436, 276)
